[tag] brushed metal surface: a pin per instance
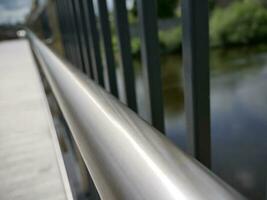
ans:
(127, 158)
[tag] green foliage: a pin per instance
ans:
(135, 45)
(211, 5)
(171, 40)
(243, 22)
(166, 8)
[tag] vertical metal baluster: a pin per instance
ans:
(93, 40)
(196, 78)
(122, 26)
(47, 32)
(68, 33)
(83, 35)
(62, 29)
(90, 70)
(75, 36)
(108, 51)
(147, 11)
(78, 33)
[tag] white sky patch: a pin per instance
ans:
(14, 11)
(129, 4)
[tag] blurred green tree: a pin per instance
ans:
(166, 8)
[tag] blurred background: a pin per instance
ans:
(238, 75)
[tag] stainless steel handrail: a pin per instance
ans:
(126, 157)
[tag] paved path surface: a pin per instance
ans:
(31, 167)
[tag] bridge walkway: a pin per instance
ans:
(31, 165)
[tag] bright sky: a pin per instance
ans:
(13, 11)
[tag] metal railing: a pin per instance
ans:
(85, 25)
(126, 157)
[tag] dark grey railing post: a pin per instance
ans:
(196, 77)
(89, 70)
(64, 31)
(67, 14)
(45, 24)
(94, 40)
(68, 28)
(77, 32)
(68, 34)
(107, 43)
(82, 35)
(147, 10)
(122, 27)
(75, 35)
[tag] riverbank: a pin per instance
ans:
(243, 23)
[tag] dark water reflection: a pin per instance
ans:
(238, 112)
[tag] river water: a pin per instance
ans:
(238, 81)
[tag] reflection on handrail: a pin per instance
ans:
(126, 157)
